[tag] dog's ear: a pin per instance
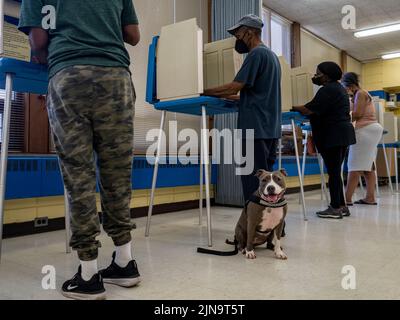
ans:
(283, 172)
(259, 173)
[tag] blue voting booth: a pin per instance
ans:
(202, 106)
(20, 76)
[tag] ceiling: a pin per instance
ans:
(324, 18)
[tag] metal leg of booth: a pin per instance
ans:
(4, 151)
(67, 222)
(206, 162)
(280, 154)
(201, 177)
(342, 175)
(387, 168)
(155, 173)
(303, 169)
(396, 164)
(303, 201)
(324, 190)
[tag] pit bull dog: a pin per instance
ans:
(262, 218)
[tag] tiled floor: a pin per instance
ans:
(171, 269)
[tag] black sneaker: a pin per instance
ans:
(345, 212)
(124, 277)
(79, 289)
(330, 213)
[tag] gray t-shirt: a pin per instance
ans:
(260, 105)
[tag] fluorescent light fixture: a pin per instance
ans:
(391, 56)
(376, 31)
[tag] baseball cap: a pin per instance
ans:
(250, 20)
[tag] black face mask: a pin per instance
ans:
(317, 80)
(241, 46)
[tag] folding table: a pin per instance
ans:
(20, 76)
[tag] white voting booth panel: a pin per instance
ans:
(180, 61)
(390, 124)
(12, 8)
(14, 44)
(303, 89)
(221, 63)
(286, 85)
(380, 109)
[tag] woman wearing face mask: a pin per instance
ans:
(333, 131)
(368, 134)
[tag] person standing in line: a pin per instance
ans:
(368, 135)
(90, 103)
(332, 130)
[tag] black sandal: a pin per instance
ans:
(362, 201)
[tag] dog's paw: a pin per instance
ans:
(250, 254)
(279, 254)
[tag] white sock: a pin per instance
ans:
(123, 254)
(89, 269)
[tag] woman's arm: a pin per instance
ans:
(360, 104)
(303, 110)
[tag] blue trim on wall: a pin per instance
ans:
(379, 93)
(33, 177)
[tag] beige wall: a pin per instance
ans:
(354, 65)
(314, 51)
(153, 14)
(382, 74)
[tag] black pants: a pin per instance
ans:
(264, 158)
(333, 158)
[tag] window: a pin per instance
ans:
(277, 34)
(17, 129)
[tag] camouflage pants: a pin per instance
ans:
(91, 112)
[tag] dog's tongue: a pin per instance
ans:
(273, 197)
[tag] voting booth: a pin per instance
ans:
(179, 69)
(17, 73)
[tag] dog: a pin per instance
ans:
(262, 219)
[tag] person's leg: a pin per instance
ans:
(113, 142)
(353, 179)
(272, 151)
(333, 162)
(370, 179)
(69, 104)
(69, 114)
(342, 194)
(250, 183)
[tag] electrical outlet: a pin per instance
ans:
(41, 222)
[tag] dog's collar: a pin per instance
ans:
(255, 199)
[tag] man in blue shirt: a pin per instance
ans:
(259, 83)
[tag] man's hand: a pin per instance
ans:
(302, 109)
(233, 97)
(39, 41)
(226, 90)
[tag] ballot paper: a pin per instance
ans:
(286, 85)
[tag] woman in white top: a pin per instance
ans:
(368, 135)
